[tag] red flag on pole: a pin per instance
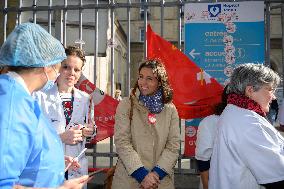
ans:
(195, 91)
(104, 107)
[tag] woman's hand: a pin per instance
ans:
(76, 183)
(151, 181)
(71, 162)
(72, 136)
(88, 130)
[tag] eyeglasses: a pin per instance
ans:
(270, 89)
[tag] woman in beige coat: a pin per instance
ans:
(146, 132)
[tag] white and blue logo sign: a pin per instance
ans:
(214, 10)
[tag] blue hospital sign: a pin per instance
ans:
(219, 36)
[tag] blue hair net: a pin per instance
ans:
(29, 45)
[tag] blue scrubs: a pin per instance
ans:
(31, 152)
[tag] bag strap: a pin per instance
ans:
(131, 109)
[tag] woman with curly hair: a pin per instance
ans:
(146, 132)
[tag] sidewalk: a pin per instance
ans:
(182, 181)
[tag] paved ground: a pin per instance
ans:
(181, 181)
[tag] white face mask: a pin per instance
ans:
(50, 83)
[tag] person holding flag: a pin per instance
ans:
(147, 132)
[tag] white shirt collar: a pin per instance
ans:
(19, 79)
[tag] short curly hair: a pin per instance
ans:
(159, 69)
(255, 75)
(75, 51)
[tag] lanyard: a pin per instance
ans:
(68, 109)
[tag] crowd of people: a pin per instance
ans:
(45, 121)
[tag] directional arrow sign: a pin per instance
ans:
(193, 53)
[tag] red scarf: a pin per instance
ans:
(245, 102)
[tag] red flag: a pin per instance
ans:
(195, 91)
(103, 106)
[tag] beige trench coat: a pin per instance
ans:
(144, 144)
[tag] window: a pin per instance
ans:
(182, 33)
(182, 11)
(142, 34)
(142, 9)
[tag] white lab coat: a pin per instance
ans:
(247, 151)
(51, 105)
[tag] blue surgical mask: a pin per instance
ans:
(50, 83)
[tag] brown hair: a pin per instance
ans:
(3, 69)
(75, 51)
(159, 69)
(222, 105)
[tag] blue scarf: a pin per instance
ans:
(154, 103)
